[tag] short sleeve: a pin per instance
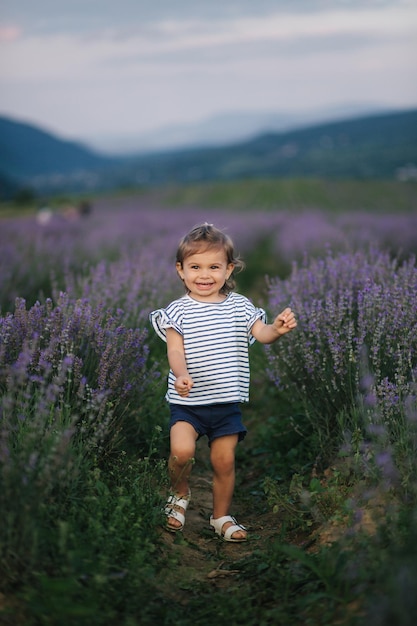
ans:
(161, 319)
(256, 314)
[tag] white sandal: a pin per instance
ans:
(217, 525)
(171, 510)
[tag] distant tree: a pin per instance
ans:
(25, 195)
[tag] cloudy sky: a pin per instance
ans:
(86, 68)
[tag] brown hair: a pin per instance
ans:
(204, 237)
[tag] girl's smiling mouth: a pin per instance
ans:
(204, 285)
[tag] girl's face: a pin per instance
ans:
(204, 274)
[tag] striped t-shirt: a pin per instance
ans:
(216, 338)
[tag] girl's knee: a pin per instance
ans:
(182, 457)
(223, 463)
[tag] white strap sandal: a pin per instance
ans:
(171, 510)
(217, 525)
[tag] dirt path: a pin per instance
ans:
(196, 553)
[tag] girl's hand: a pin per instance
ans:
(284, 322)
(183, 385)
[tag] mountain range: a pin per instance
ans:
(372, 146)
(226, 128)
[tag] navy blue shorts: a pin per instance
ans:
(213, 420)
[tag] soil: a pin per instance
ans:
(197, 554)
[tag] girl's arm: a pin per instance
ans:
(177, 362)
(282, 324)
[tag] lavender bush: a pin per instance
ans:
(40, 260)
(350, 369)
(69, 372)
(356, 344)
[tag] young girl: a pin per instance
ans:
(208, 332)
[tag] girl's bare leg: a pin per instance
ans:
(183, 438)
(222, 457)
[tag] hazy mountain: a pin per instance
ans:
(375, 146)
(27, 151)
(368, 147)
(226, 128)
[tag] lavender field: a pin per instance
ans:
(333, 422)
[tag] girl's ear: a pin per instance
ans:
(179, 270)
(230, 269)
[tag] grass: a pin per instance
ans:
(336, 196)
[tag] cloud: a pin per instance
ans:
(89, 16)
(9, 33)
(144, 64)
(190, 41)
